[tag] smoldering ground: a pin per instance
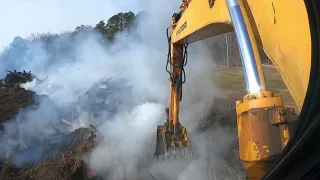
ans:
(139, 57)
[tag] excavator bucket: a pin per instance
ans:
(172, 144)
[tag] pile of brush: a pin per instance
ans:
(12, 96)
(58, 157)
(62, 159)
(15, 79)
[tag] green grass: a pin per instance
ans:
(231, 83)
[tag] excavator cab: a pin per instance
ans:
(172, 140)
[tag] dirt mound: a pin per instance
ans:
(12, 96)
(66, 160)
(106, 96)
(58, 157)
(223, 113)
(12, 100)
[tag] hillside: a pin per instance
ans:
(14, 101)
(40, 139)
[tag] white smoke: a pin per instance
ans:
(130, 134)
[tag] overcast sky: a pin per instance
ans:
(23, 17)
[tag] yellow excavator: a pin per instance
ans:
(274, 142)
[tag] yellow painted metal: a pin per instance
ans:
(263, 99)
(259, 140)
(280, 27)
(175, 70)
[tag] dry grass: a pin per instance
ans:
(67, 165)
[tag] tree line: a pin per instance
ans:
(117, 23)
(225, 51)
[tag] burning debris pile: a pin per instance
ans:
(55, 157)
(222, 115)
(15, 79)
(12, 96)
(105, 99)
(65, 159)
(62, 155)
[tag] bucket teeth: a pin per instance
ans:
(172, 145)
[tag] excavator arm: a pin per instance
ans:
(283, 29)
(172, 137)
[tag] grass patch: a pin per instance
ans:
(231, 83)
